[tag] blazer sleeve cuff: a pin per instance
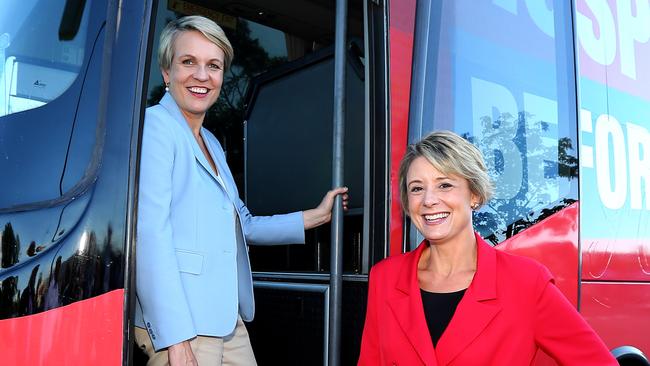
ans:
(162, 338)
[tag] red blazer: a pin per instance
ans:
(511, 308)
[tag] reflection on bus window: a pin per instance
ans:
(35, 65)
(503, 84)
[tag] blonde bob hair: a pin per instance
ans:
(207, 27)
(449, 154)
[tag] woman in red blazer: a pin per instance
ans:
(455, 300)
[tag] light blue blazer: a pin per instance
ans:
(192, 270)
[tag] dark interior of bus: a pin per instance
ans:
(274, 119)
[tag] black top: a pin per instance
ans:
(438, 310)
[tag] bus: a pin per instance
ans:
(556, 94)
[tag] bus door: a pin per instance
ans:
(274, 119)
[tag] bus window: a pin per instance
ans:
(38, 74)
(274, 119)
(36, 66)
(505, 84)
(50, 71)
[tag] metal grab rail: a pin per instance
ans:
(336, 260)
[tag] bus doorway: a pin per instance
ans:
(274, 119)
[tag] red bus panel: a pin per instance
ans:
(87, 332)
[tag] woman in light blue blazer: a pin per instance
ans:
(194, 282)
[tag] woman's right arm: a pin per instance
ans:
(562, 332)
(159, 289)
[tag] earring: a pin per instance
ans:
(474, 206)
(166, 87)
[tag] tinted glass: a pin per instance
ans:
(41, 57)
(37, 61)
(504, 83)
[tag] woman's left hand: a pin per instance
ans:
(323, 212)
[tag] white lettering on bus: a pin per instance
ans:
(494, 101)
(630, 29)
(613, 153)
(612, 189)
(541, 142)
(508, 181)
(599, 39)
(598, 36)
(620, 154)
(639, 159)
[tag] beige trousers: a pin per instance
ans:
(232, 350)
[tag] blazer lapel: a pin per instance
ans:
(408, 310)
(476, 310)
(170, 105)
(200, 157)
(216, 151)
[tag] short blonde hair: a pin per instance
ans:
(207, 27)
(449, 154)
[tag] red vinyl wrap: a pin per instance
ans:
(554, 243)
(618, 312)
(88, 332)
(402, 28)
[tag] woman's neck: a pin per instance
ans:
(448, 266)
(448, 258)
(195, 122)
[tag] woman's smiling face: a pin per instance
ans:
(439, 204)
(195, 75)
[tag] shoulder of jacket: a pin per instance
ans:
(524, 268)
(390, 264)
(158, 120)
(157, 112)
